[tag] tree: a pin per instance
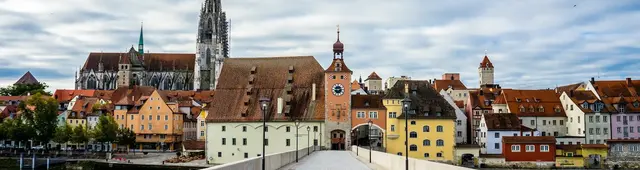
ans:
(80, 136)
(3, 132)
(106, 130)
(63, 134)
(126, 137)
(18, 131)
(41, 113)
(24, 89)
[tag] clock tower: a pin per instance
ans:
(337, 85)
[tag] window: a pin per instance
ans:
(554, 122)
(459, 133)
(287, 142)
(246, 155)
(150, 117)
(618, 118)
(424, 128)
(413, 148)
(360, 114)
(224, 128)
(150, 126)
(141, 127)
(605, 131)
(496, 146)
(533, 122)
(266, 142)
(590, 131)
(266, 128)
(131, 127)
(515, 148)
(413, 135)
(141, 117)
(590, 119)
(158, 117)
(166, 127)
(393, 128)
(219, 154)
(530, 148)
(597, 131)
(315, 128)
(439, 155)
(544, 122)
(579, 131)
(459, 122)
(373, 115)
(578, 118)
(224, 141)
(544, 148)
(497, 135)
(561, 122)
(426, 155)
(439, 128)
(288, 129)
(244, 128)
(426, 142)
(439, 142)
(201, 133)
(413, 122)
(392, 115)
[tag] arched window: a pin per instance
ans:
(413, 148)
(413, 135)
(426, 142)
(439, 128)
(208, 57)
(439, 142)
(425, 128)
(413, 122)
(399, 153)
(426, 155)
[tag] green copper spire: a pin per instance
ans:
(141, 42)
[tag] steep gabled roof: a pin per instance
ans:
(373, 76)
(366, 101)
(543, 103)
(27, 78)
(243, 81)
(151, 61)
(446, 84)
(502, 121)
(486, 63)
(426, 103)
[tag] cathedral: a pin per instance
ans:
(165, 71)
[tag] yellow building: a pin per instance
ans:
(431, 122)
(594, 155)
(81, 108)
(579, 156)
(201, 124)
(156, 121)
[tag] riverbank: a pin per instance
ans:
(149, 161)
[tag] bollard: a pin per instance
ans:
(21, 160)
(48, 161)
(33, 161)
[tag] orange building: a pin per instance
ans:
(363, 109)
(156, 121)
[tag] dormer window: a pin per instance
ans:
(621, 107)
(540, 109)
(557, 110)
(636, 104)
(518, 100)
(599, 106)
(366, 104)
(531, 109)
(438, 114)
(585, 105)
(522, 109)
(527, 100)
(426, 113)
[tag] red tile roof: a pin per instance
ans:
(355, 85)
(486, 63)
(446, 84)
(243, 81)
(366, 101)
(151, 61)
(459, 103)
(338, 66)
(529, 139)
(544, 103)
(373, 76)
(193, 145)
(63, 95)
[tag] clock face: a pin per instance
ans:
(338, 89)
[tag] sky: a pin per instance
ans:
(532, 43)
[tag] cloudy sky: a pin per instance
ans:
(532, 44)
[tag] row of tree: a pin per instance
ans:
(38, 121)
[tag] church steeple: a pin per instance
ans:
(141, 42)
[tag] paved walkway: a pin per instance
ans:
(330, 160)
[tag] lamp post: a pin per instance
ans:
(264, 102)
(357, 142)
(308, 138)
(406, 102)
(297, 123)
(369, 138)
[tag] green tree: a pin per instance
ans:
(18, 131)
(42, 115)
(106, 130)
(24, 89)
(63, 134)
(126, 137)
(3, 131)
(80, 136)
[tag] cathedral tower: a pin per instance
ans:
(212, 45)
(486, 72)
(337, 86)
(124, 72)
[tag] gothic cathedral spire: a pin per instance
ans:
(141, 43)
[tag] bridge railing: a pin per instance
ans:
(272, 161)
(392, 161)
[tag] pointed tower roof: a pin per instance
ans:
(373, 76)
(338, 47)
(27, 78)
(141, 42)
(486, 63)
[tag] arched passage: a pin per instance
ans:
(338, 140)
(364, 136)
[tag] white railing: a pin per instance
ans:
(391, 161)
(273, 161)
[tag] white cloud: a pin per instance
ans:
(533, 44)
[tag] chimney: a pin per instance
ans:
(571, 93)
(629, 84)
(593, 80)
(280, 105)
(313, 92)
(406, 88)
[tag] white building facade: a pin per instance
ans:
(461, 119)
